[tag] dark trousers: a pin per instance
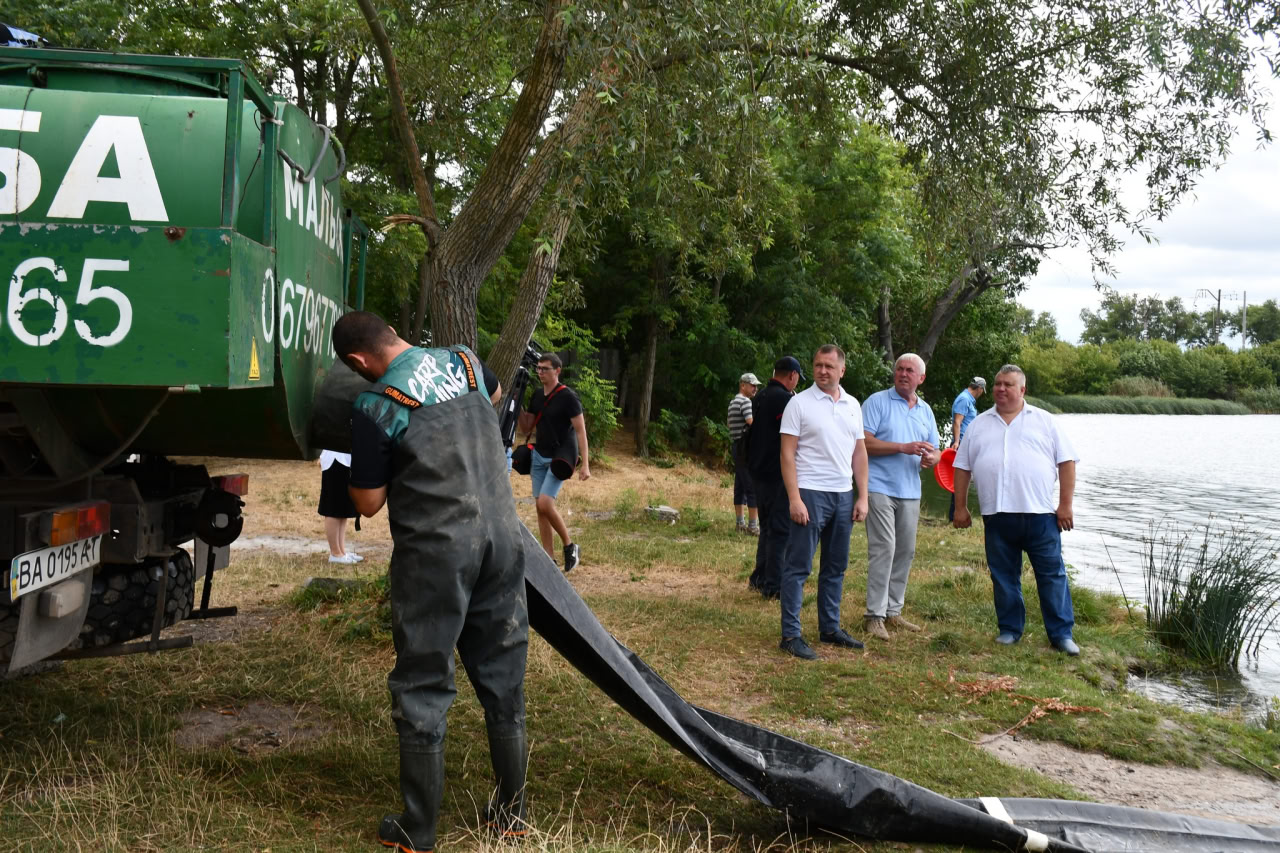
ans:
(1007, 535)
(743, 489)
(775, 524)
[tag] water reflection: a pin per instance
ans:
(1142, 470)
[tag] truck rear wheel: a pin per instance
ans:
(122, 605)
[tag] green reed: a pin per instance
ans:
(1078, 404)
(1211, 595)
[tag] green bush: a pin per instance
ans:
(598, 395)
(1091, 372)
(668, 434)
(1045, 366)
(713, 439)
(1083, 405)
(1201, 373)
(1152, 359)
(1138, 386)
(1261, 401)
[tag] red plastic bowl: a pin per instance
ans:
(944, 472)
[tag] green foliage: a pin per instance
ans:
(1263, 322)
(598, 395)
(1261, 401)
(1153, 359)
(1091, 371)
(714, 439)
(1212, 372)
(626, 503)
(1138, 386)
(1200, 373)
(1099, 405)
(1211, 599)
(668, 434)
(1126, 317)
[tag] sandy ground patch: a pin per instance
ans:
(1213, 791)
(256, 727)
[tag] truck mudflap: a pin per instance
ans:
(824, 790)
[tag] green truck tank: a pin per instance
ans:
(173, 255)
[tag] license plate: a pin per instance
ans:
(40, 568)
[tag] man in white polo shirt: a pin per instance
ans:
(1014, 452)
(822, 453)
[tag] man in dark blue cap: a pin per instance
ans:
(763, 448)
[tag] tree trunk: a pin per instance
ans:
(531, 293)
(405, 319)
(417, 320)
(645, 399)
(971, 282)
(885, 325)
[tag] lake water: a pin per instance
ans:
(1136, 470)
(1139, 470)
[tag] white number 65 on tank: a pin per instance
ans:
(18, 300)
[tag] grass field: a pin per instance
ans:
(273, 733)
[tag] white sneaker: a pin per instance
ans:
(345, 558)
(355, 558)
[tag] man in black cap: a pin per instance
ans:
(764, 447)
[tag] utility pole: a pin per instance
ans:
(1244, 321)
(1217, 296)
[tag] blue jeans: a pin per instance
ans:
(831, 523)
(544, 482)
(1007, 535)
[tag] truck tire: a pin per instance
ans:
(122, 605)
(8, 628)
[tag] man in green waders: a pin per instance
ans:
(425, 442)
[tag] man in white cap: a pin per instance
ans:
(739, 422)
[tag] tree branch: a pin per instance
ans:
(400, 118)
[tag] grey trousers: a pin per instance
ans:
(891, 546)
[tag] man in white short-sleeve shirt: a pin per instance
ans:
(822, 453)
(1015, 452)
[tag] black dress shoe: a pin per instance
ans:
(798, 647)
(838, 637)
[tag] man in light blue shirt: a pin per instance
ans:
(902, 438)
(965, 408)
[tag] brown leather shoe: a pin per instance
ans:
(874, 626)
(898, 623)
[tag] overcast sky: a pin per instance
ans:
(1226, 236)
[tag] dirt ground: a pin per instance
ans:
(1213, 791)
(281, 518)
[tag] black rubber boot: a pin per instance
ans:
(510, 755)
(422, 787)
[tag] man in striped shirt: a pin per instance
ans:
(739, 420)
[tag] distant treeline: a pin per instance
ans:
(1083, 405)
(1153, 376)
